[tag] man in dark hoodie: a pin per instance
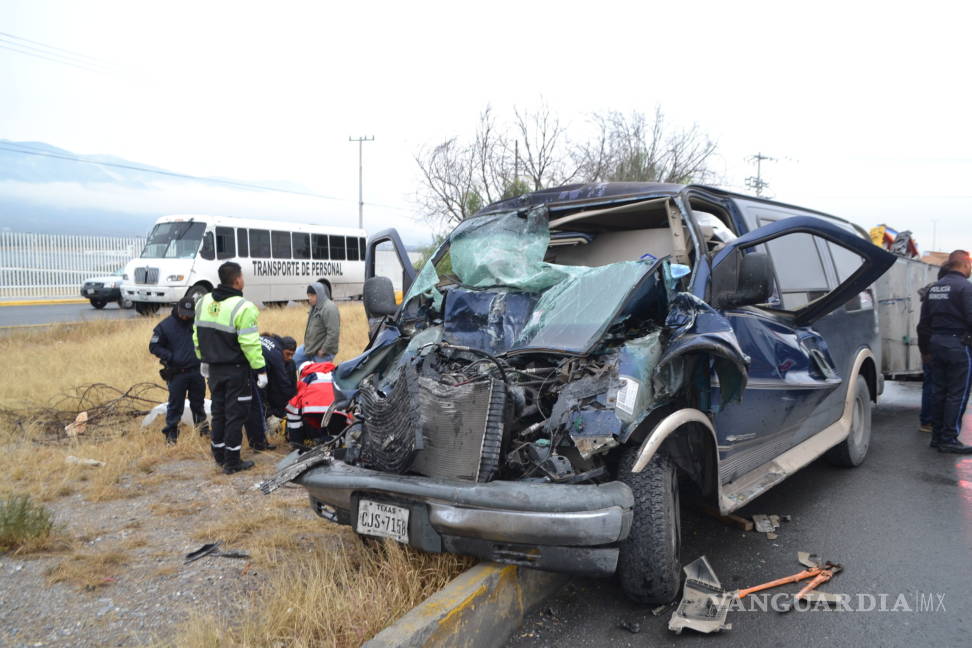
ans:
(323, 327)
(172, 343)
(228, 342)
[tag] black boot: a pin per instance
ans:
(219, 454)
(171, 437)
(262, 446)
(232, 463)
(954, 446)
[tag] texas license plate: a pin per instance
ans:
(90, 291)
(381, 519)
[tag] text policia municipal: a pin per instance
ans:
(296, 269)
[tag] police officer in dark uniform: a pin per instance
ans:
(945, 334)
(172, 343)
(278, 354)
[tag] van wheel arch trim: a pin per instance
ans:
(665, 428)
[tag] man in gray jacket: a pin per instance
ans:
(323, 327)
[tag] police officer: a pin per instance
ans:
(172, 343)
(945, 333)
(278, 354)
(228, 342)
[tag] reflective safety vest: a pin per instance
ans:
(315, 393)
(225, 332)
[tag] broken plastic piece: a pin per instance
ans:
(79, 425)
(212, 549)
(83, 461)
(316, 457)
(704, 603)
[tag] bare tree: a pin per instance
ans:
(460, 177)
(636, 149)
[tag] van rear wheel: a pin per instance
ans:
(649, 563)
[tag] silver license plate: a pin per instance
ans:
(380, 519)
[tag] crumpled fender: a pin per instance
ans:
(697, 328)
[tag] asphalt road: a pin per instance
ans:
(901, 524)
(55, 313)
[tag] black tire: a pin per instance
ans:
(98, 303)
(853, 451)
(146, 308)
(125, 303)
(649, 564)
(196, 292)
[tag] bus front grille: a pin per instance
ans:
(146, 275)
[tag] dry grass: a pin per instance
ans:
(88, 570)
(345, 594)
(325, 587)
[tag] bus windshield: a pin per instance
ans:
(174, 241)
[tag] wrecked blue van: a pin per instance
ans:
(567, 361)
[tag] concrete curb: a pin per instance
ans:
(480, 608)
(42, 302)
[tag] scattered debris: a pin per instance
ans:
(658, 610)
(212, 549)
(771, 536)
(317, 456)
(730, 520)
(704, 603)
(79, 425)
(83, 461)
(631, 626)
(768, 524)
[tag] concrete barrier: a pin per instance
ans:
(480, 608)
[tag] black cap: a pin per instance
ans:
(186, 307)
(288, 343)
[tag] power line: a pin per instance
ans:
(50, 53)
(173, 174)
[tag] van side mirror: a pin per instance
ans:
(379, 297)
(743, 281)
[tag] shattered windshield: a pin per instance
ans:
(174, 241)
(570, 307)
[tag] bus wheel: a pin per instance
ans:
(146, 308)
(197, 291)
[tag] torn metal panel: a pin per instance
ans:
(490, 320)
(697, 328)
(704, 605)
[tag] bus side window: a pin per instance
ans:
(280, 242)
(353, 249)
(242, 248)
(319, 247)
(337, 248)
(362, 244)
(259, 244)
(301, 245)
(206, 251)
(225, 243)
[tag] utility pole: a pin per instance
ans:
(360, 141)
(756, 183)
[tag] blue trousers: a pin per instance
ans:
(952, 377)
(927, 394)
(300, 357)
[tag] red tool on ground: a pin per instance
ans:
(819, 573)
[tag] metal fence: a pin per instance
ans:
(55, 265)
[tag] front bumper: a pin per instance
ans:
(558, 527)
(151, 293)
(105, 294)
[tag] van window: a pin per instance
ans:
(846, 261)
(242, 249)
(280, 241)
(301, 245)
(799, 269)
(319, 247)
(337, 248)
(259, 244)
(225, 243)
(352, 248)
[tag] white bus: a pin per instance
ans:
(279, 260)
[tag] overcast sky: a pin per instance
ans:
(865, 106)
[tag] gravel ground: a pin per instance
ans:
(153, 592)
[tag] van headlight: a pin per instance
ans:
(175, 278)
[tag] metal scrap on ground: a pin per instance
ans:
(704, 603)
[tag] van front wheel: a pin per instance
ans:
(649, 565)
